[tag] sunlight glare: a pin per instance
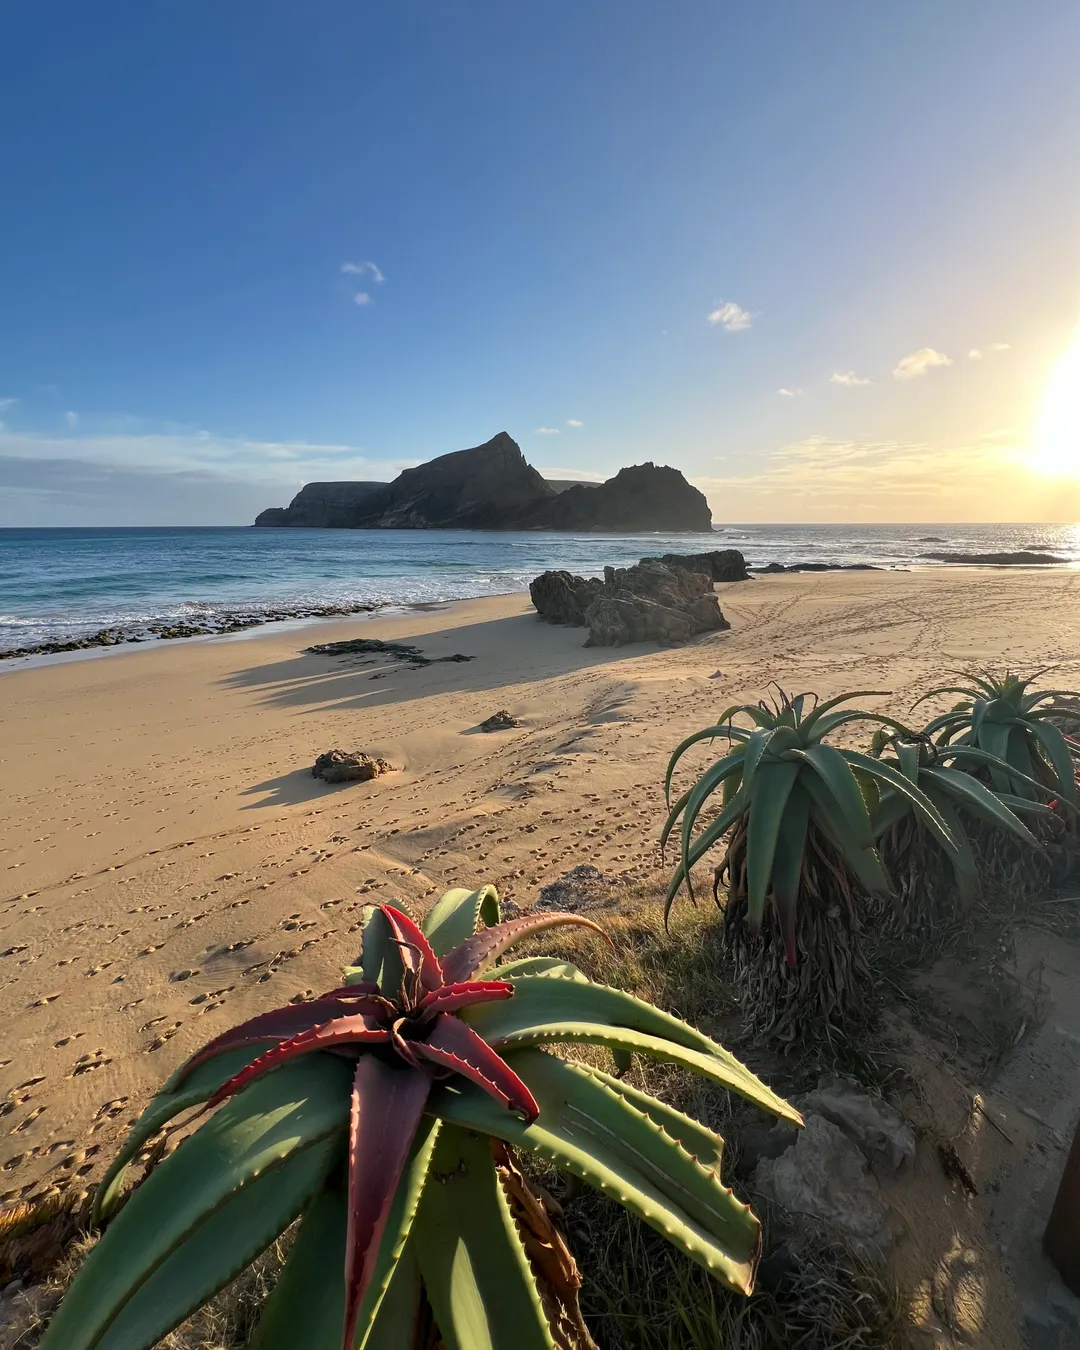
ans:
(1057, 448)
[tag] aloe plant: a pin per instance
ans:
(945, 773)
(795, 825)
(1004, 718)
(378, 1115)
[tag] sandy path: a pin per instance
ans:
(171, 867)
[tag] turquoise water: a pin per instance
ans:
(66, 583)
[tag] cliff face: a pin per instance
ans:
(327, 506)
(493, 487)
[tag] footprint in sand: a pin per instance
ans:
(162, 1038)
(96, 1059)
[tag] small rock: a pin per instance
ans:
(883, 1138)
(823, 1177)
(499, 721)
(583, 887)
(341, 766)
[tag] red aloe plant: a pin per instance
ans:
(416, 1038)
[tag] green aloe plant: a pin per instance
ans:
(378, 1115)
(1005, 718)
(796, 828)
(945, 774)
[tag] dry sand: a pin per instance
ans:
(171, 867)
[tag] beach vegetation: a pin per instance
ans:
(799, 860)
(388, 1123)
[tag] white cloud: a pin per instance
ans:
(547, 431)
(362, 298)
(977, 353)
(72, 419)
(848, 377)
(7, 402)
(732, 316)
(575, 475)
(788, 393)
(918, 363)
(363, 269)
(573, 422)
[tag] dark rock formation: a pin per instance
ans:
(343, 766)
(560, 597)
(647, 603)
(499, 721)
(643, 497)
(722, 564)
(1024, 557)
(327, 506)
(397, 651)
(774, 567)
(493, 487)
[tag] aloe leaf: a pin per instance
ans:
(697, 1139)
(962, 857)
(387, 1103)
(208, 1210)
(977, 798)
(552, 966)
(768, 806)
(1023, 804)
(197, 1087)
(787, 866)
(812, 718)
(476, 1274)
(864, 864)
(949, 721)
(896, 780)
(379, 961)
(908, 762)
(701, 845)
(707, 734)
(946, 689)
(590, 1129)
(707, 784)
(891, 811)
(994, 739)
(539, 1004)
(481, 950)
(967, 754)
(397, 1321)
(1057, 751)
(835, 770)
(458, 914)
(307, 1304)
(453, 1044)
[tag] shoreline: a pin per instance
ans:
(234, 625)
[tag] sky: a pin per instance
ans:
(822, 257)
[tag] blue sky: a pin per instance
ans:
(645, 218)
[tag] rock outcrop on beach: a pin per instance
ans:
(649, 602)
(722, 564)
(347, 766)
(493, 487)
(1024, 557)
(774, 568)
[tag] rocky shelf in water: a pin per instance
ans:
(212, 626)
(1024, 557)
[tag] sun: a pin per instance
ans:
(1057, 445)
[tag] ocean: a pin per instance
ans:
(57, 585)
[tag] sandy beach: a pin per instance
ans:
(171, 867)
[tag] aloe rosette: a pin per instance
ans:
(373, 1114)
(1006, 718)
(946, 774)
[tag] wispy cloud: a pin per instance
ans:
(547, 431)
(977, 353)
(573, 422)
(848, 377)
(363, 269)
(7, 403)
(71, 418)
(918, 363)
(731, 316)
(575, 475)
(362, 298)
(789, 393)
(819, 479)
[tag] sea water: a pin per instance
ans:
(64, 583)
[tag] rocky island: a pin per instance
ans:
(494, 487)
